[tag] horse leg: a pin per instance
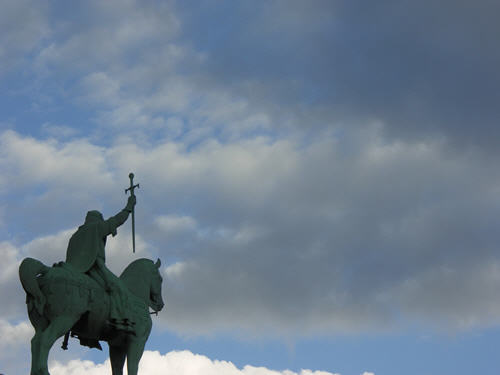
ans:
(134, 354)
(39, 323)
(57, 327)
(35, 353)
(117, 357)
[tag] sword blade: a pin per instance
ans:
(131, 189)
(133, 231)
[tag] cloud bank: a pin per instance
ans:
(277, 237)
(176, 362)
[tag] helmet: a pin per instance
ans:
(93, 216)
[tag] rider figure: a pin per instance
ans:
(86, 254)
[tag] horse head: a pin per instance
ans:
(155, 298)
(143, 279)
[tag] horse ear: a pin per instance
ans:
(158, 263)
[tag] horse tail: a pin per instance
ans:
(28, 271)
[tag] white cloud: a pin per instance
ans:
(119, 249)
(174, 270)
(70, 175)
(80, 367)
(11, 292)
(15, 335)
(27, 161)
(15, 344)
(49, 249)
(175, 362)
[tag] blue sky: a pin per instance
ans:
(319, 178)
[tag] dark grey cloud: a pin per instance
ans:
(424, 69)
(340, 245)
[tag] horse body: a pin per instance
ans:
(60, 300)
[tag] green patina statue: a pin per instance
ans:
(81, 297)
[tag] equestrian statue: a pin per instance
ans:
(81, 297)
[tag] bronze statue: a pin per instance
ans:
(81, 297)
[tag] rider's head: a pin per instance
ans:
(93, 217)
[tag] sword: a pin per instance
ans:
(131, 189)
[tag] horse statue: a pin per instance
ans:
(63, 302)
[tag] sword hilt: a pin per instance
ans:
(132, 186)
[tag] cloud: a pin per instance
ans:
(275, 237)
(119, 250)
(49, 249)
(14, 335)
(11, 291)
(281, 66)
(423, 70)
(58, 131)
(335, 239)
(28, 161)
(23, 25)
(15, 344)
(143, 94)
(477, 282)
(178, 229)
(281, 63)
(127, 26)
(47, 171)
(113, 48)
(181, 363)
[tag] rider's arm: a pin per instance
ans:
(109, 226)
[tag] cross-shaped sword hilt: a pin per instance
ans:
(132, 186)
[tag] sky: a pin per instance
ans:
(319, 178)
